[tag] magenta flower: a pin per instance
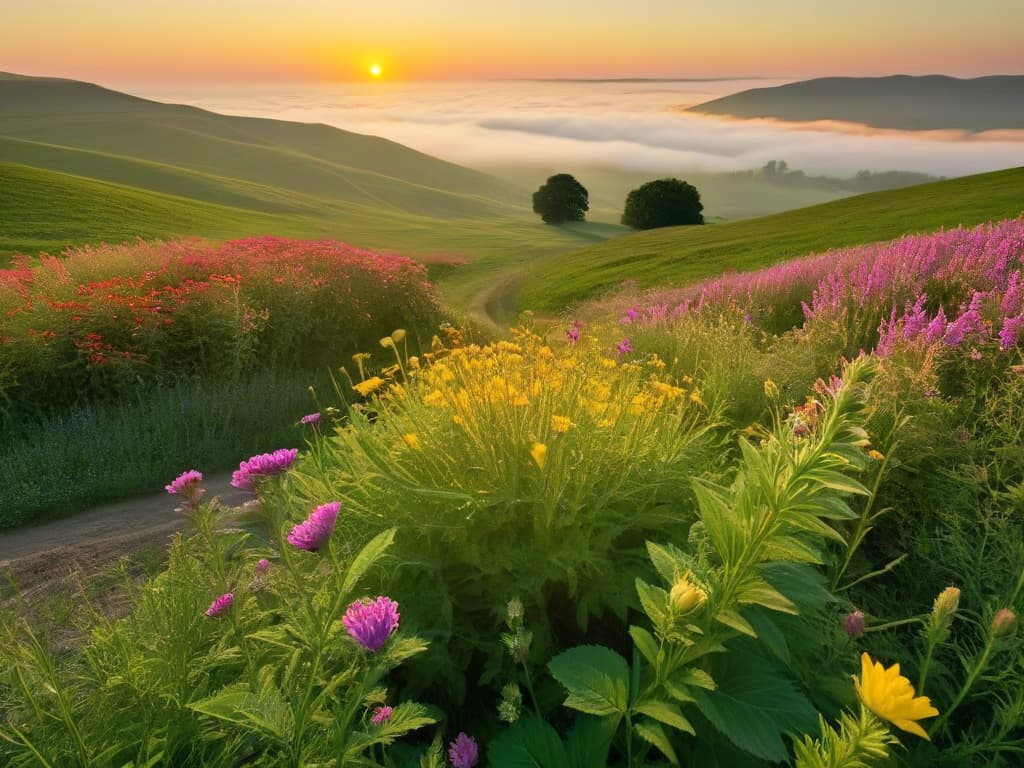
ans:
(624, 347)
(853, 624)
(371, 622)
(262, 466)
(463, 752)
(381, 715)
(310, 418)
(220, 605)
(262, 566)
(187, 486)
(315, 530)
(573, 334)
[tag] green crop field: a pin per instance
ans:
(679, 255)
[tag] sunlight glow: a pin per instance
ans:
(375, 70)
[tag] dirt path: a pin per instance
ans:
(34, 557)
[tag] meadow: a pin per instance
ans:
(770, 518)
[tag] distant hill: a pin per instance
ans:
(681, 255)
(905, 102)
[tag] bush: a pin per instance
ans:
(663, 203)
(561, 199)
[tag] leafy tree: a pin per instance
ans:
(663, 203)
(561, 199)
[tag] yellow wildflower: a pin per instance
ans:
(411, 439)
(771, 389)
(539, 453)
(434, 398)
(520, 400)
(876, 455)
(560, 424)
(891, 696)
(696, 398)
(368, 387)
(607, 362)
(686, 596)
(667, 390)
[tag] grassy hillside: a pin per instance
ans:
(678, 255)
(900, 101)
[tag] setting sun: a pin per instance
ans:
(375, 70)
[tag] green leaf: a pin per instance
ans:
(652, 732)
(837, 481)
(646, 644)
(666, 713)
(596, 678)
(757, 591)
(804, 585)
(753, 705)
(654, 601)
(589, 741)
(366, 558)
(737, 622)
(769, 634)
(717, 517)
(407, 716)
(266, 713)
(529, 743)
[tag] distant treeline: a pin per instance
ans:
(779, 172)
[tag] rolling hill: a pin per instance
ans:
(680, 255)
(930, 102)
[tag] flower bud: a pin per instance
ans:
(945, 604)
(1004, 623)
(853, 624)
(686, 596)
(771, 389)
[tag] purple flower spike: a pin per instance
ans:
(315, 530)
(371, 622)
(381, 715)
(624, 347)
(261, 466)
(310, 418)
(463, 752)
(262, 566)
(220, 605)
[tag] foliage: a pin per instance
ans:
(560, 199)
(663, 203)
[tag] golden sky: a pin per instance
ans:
(253, 40)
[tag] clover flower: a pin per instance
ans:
(220, 605)
(262, 466)
(310, 418)
(891, 696)
(463, 752)
(381, 715)
(371, 622)
(315, 530)
(187, 486)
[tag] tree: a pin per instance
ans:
(561, 199)
(663, 203)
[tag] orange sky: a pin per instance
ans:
(245, 40)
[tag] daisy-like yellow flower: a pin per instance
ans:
(560, 424)
(539, 453)
(891, 696)
(412, 440)
(368, 387)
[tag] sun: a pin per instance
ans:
(375, 70)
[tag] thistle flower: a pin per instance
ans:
(315, 530)
(310, 418)
(891, 696)
(1004, 623)
(853, 624)
(371, 622)
(368, 387)
(262, 466)
(381, 715)
(220, 605)
(539, 454)
(187, 486)
(463, 752)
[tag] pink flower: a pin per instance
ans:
(853, 624)
(187, 486)
(310, 418)
(262, 466)
(372, 622)
(315, 530)
(463, 752)
(381, 715)
(263, 566)
(624, 347)
(220, 605)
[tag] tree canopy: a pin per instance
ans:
(561, 198)
(663, 203)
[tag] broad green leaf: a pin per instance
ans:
(737, 622)
(717, 517)
(759, 592)
(529, 743)
(596, 678)
(802, 584)
(646, 644)
(754, 706)
(768, 633)
(589, 740)
(366, 558)
(837, 481)
(654, 601)
(667, 560)
(666, 713)
(792, 549)
(694, 676)
(653, 733)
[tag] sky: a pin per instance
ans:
(124, 41)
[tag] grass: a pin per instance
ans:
(680, 255)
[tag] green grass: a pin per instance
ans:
(680, 255)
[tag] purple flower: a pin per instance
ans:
(262, 566)
(315, 530)
(187, 486)
(463, 752)
(1010, 332)
(310, 418)
(853, 624)
(371, 622)
(220, 605)
(261, 466)
(573, 334)
(624, 347)
(630, 316)
(381, 715)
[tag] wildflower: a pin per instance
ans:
(946, 603)
(629, 317)
(381, 715)
(1004, 623)
(891, 696)
(371, 622)
(262, 466)
(876, 455)
(539, 453)
(573, 334)
(463, 752)
(262, 566)
(310, 418)
(315, 530)
(411, 439)
(853, 624)
(560, 424)
(686, 596)
(624, 347)
(220, 605)
(187, 486)
(434, 398)
(771, 389)
(368, 387)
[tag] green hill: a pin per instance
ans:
(910, 103)
(679, 255)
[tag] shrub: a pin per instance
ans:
(663, 203)
(560, 199)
